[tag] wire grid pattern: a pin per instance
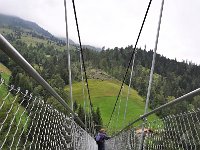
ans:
(174, 132)
(126, 140)
(28, 122)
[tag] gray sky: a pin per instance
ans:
(112, 23)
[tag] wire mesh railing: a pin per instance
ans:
(174, 132)
(29, 122)
(178, 131)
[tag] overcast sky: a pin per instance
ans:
(116, 23)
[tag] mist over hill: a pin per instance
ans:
(17, 22)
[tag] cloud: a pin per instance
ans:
(113, 23)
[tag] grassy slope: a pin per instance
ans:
(8, 102)
(103, 95)
(28, 39)
(105, 91)
(5, 72)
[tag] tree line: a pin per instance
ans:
(171, 79)
(51, 64)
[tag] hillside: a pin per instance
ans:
(104, 88)
(16, 22)
(7, 101)
(5, 73)
(16, 29)
(103, 95)
(9, 23)
(171, 79)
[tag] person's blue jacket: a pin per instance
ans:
(100, 139)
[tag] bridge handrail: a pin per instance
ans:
(8, 49)
(177, 100)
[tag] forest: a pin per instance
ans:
(48, 55)
(171, 79)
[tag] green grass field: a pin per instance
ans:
(28, 39)
(7, 101)
(104, 94)
(5, 73)
(5, 30)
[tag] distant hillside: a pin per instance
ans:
(103, 95)
(171, 79)
(98, 74)
(12, 21)
(16, 22)
(92, 47)
(15, 29)
(104, 87)
(84, 46)
(70, 41)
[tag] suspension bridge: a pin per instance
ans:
(38, 124)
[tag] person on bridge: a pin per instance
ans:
(100, 139)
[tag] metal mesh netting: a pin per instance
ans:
(174, 132)
(27, 122)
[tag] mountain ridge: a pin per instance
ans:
(17, 22)
(171, 78)
(14, 21)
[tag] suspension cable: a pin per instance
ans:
(152, 71)
(129, 86)
(81, 49)
(154, 59)
(69, 59)
(129, 64)
(83, 91)
(119, 107)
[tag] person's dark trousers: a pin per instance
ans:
(101, 146)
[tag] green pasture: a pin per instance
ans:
(104, 94)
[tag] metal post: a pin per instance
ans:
(129, 86)
(69, 59)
